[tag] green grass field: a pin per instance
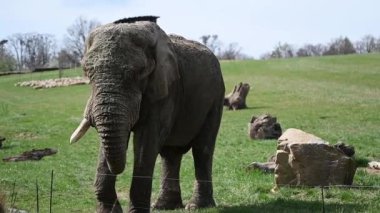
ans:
(336, 98)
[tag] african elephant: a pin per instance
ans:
(169, 92)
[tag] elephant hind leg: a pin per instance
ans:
(105, 188)
(170, 193)
(203, 150)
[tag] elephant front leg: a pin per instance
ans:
(141, 187)
(105, 188)
(170, 193)
(145, 154)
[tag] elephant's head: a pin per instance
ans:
(126, 63)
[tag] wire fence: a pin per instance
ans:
(54, 194)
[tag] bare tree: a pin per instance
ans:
(212, 42)
(310, 50)
(18, 46)
(360, 47)
(340, 46)
(232, 52)
(378, 45)
(303, 52)
(77, 34)
(7, 62)
(39, 50)
(2, 48)
(284, 50)
(369, 43)
(319, 49)
(65, 59)
(32, 50)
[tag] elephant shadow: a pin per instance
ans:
(258, 107)
(282, 205)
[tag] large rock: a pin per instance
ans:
(304, 159)
(296, 136)
(264, 127)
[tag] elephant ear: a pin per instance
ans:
(165, 72)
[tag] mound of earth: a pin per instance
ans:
(34, 154)
(51, 83)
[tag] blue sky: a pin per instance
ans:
(256, 25)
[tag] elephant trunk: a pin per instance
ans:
(114, 148)
(111, 119)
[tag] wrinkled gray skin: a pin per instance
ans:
(169, 92)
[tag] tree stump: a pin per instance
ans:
(264, 127)
(236, 99)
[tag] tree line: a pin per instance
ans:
(231, 52)
(338, 46)
(31, 51)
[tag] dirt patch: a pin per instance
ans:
(26, 135)
(52, 83)
(372, 171)
(34, 154)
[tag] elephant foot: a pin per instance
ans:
(139, 210)
(197, 203)
(168, 201)
(109, 208)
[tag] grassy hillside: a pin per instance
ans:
(336, 98)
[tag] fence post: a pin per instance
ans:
(13, 196)
(37, 198)
(51, 189)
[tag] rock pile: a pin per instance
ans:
(51, 83)
(264, 127)
(304, 159)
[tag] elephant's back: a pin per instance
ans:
(196, 61)
(202, 84)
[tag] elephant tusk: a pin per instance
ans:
(80, 131)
